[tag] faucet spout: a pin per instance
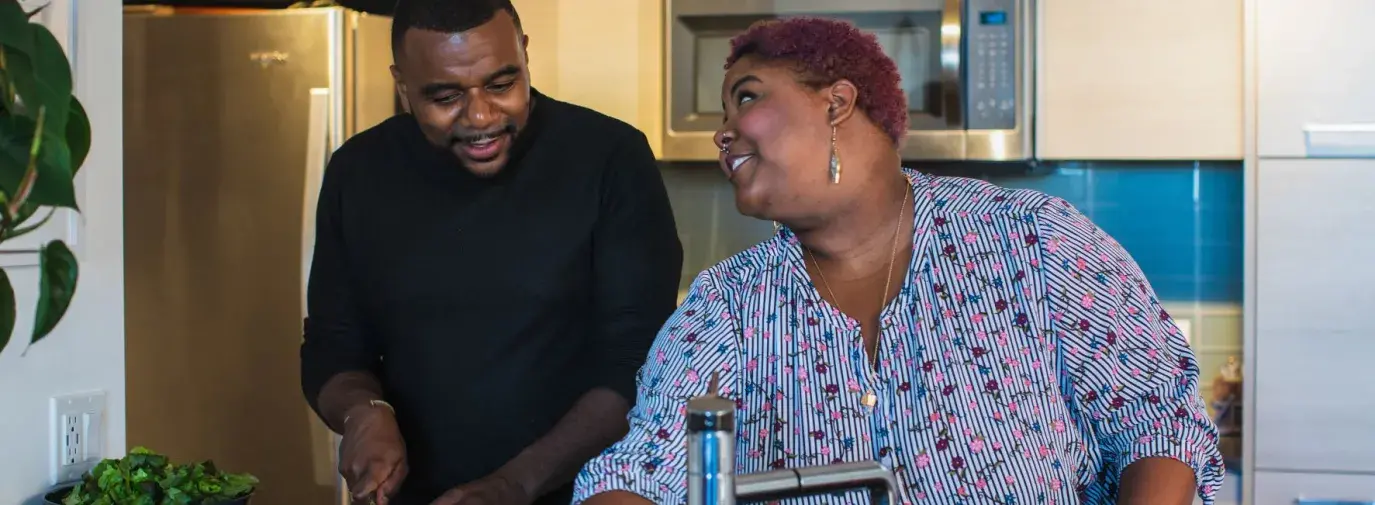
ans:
(711, 478)
(814, 480)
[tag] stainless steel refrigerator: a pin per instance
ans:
(229, 118)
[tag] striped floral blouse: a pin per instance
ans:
(1026, 360)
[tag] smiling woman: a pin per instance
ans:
(985, 344)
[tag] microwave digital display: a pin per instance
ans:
(993, 18)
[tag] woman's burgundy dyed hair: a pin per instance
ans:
(825, 51)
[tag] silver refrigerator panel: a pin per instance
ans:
(228, 122)
(367, 78)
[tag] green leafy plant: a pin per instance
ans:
(148, 478)
(44, 139)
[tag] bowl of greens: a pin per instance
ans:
(144, 477)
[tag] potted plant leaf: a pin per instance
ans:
(44, 138)
(144, 477)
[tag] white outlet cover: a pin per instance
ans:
(84, 413)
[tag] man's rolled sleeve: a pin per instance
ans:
(637, 261)
(698, 340)
(1128, 372)
(335, 339)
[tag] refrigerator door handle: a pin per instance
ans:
(318, 145)
(317, 155)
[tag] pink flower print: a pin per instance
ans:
(976, 446)
(939, 377)
(1145, 439)
(1017, 433)
(948, 313)
(692, 376)
(1086, 302)
(1055, 483)
(962, 491)
(749, 332)
(1009, 479)
(968, 431)
(752, 364)
(997, 446)
(835, 416)
(802, 375)
(998, 416)
(1058, 425)
(825, 450)
(980, 484)
(821, 346)
(969, 266)
(973, 405)
(1012, 406)
(819, 406)
(934, 417)
(971, 237)
(1043, 452)
(978, 318)
(802, 345)
(852, 384)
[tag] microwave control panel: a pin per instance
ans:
(991, 39)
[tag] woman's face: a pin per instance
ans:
(776, 139)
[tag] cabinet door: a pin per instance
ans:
(1315, 82)
(1273, 488)
(1315, 334)
(1133, 79)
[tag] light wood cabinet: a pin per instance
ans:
(612, 64)
(1315, 390)
(1132, 79)
(1315, 83)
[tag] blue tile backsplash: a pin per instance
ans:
(1181, 221)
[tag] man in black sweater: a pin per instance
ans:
(489, 272)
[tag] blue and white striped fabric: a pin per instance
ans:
(1026, 360)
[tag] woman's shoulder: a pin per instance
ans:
(955, 195)
(747, 270)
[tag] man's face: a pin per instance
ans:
(469, 91)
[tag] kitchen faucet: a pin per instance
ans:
(711, 465)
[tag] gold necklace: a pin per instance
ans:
(870, 399)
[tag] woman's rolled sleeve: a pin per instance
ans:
(1129, 373)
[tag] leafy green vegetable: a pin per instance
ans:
(148, 478)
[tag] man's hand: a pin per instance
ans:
(489, 490)
(372, 455)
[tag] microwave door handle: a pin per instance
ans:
(952, 28)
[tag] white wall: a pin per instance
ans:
(86, 352)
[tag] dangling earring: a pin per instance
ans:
(835, 158)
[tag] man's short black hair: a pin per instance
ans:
(444, 16)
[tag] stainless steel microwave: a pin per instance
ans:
(964, 65)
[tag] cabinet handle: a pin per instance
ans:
(1347, 140)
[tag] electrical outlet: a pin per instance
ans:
(78, 434)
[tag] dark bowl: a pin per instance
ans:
(55, 497)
